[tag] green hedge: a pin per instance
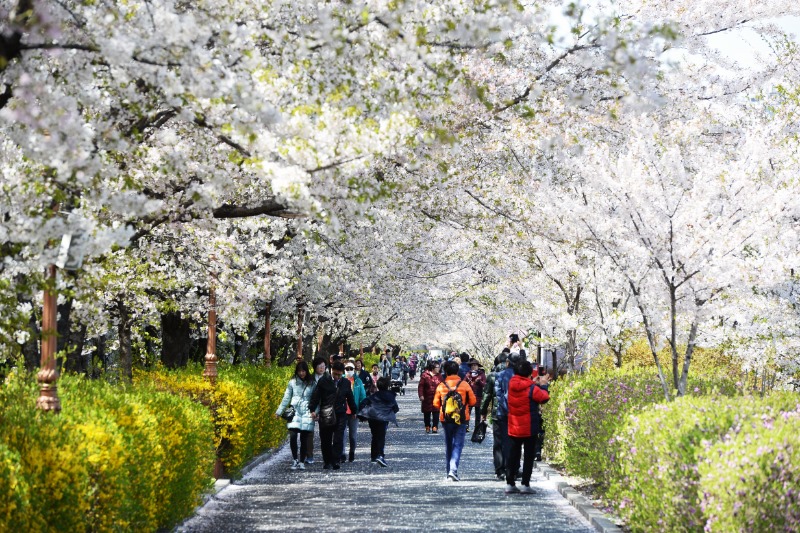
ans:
(113, 460)
(661, 448)
(586, 412)
(750, 481)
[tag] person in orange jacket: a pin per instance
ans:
(524, 397)
(454, 423)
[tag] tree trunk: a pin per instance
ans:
(30, 350)
(75, 360)
(652, 342)
(267, 336)
(688, 358)
(176, 340)
(124, 332)
(673, 337)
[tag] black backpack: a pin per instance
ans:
(453, 405)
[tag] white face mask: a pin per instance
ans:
(349, 373)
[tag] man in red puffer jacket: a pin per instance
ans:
(524, 395)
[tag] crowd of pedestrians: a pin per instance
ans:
(341, 393)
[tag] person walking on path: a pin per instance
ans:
(501, 398)
(359, 395)
(524, 397)
(477, 380)
(298, 394)
(489, 399)
(429, 380)
(454, 423)
(362, 373)
(372, 388)
(320, 369)
(379, 409)
(329, 404)
(385, 364)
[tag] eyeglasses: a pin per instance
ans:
(349, 368)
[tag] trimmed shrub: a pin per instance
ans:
(112, 460)
(585, 414)
(750, 481)
(241, 404)
(657, 485)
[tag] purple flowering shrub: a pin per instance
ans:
(657, 486)
(585, 414)
(750, 481)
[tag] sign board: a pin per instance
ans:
(73, 248)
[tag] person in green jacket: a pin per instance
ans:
(359, 395)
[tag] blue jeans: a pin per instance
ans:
(454, 436)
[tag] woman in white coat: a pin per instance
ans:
(298, 393)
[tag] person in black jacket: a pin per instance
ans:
(332, 391)
(380, 409)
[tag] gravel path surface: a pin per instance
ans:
(411, 494)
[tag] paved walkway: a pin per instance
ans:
(410, 495)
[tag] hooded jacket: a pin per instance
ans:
(523, 398)
(298, 394)
(380, 406)
(463, 388)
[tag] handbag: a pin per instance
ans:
(327, 415)
(480, 432)
(288, 413)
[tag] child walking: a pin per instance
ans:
(379, 409)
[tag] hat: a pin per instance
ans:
(349, 366)
(502, 357)
(515, 358)
(474, 361)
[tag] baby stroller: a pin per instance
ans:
(396, 385)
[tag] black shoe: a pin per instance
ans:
(537, 457)
(327, 466)
(351, 458)
(343, 458)
(336, 466)
(501, 477)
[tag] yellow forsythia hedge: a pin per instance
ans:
(114, 459)
(134, 458)
(242, 405)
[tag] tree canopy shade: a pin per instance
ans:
(405, 171)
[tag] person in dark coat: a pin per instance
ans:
(490, 401)
(332, 390)
(428, 382)
(477, 380)
(380, 409)
(463, 365)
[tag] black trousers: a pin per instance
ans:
(310, 444)
(501, 447)
(514, 458)
(432, 419)
(378, 430)
(293, 434)
(331, 440)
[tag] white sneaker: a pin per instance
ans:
(294, 465)
(454, 476)
(526, 490)
(301, 466)
(511, 489)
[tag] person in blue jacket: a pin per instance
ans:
(298, 394)
(380, 409)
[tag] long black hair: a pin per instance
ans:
(302, 365)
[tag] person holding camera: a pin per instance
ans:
(515, 356)
(524, 397)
